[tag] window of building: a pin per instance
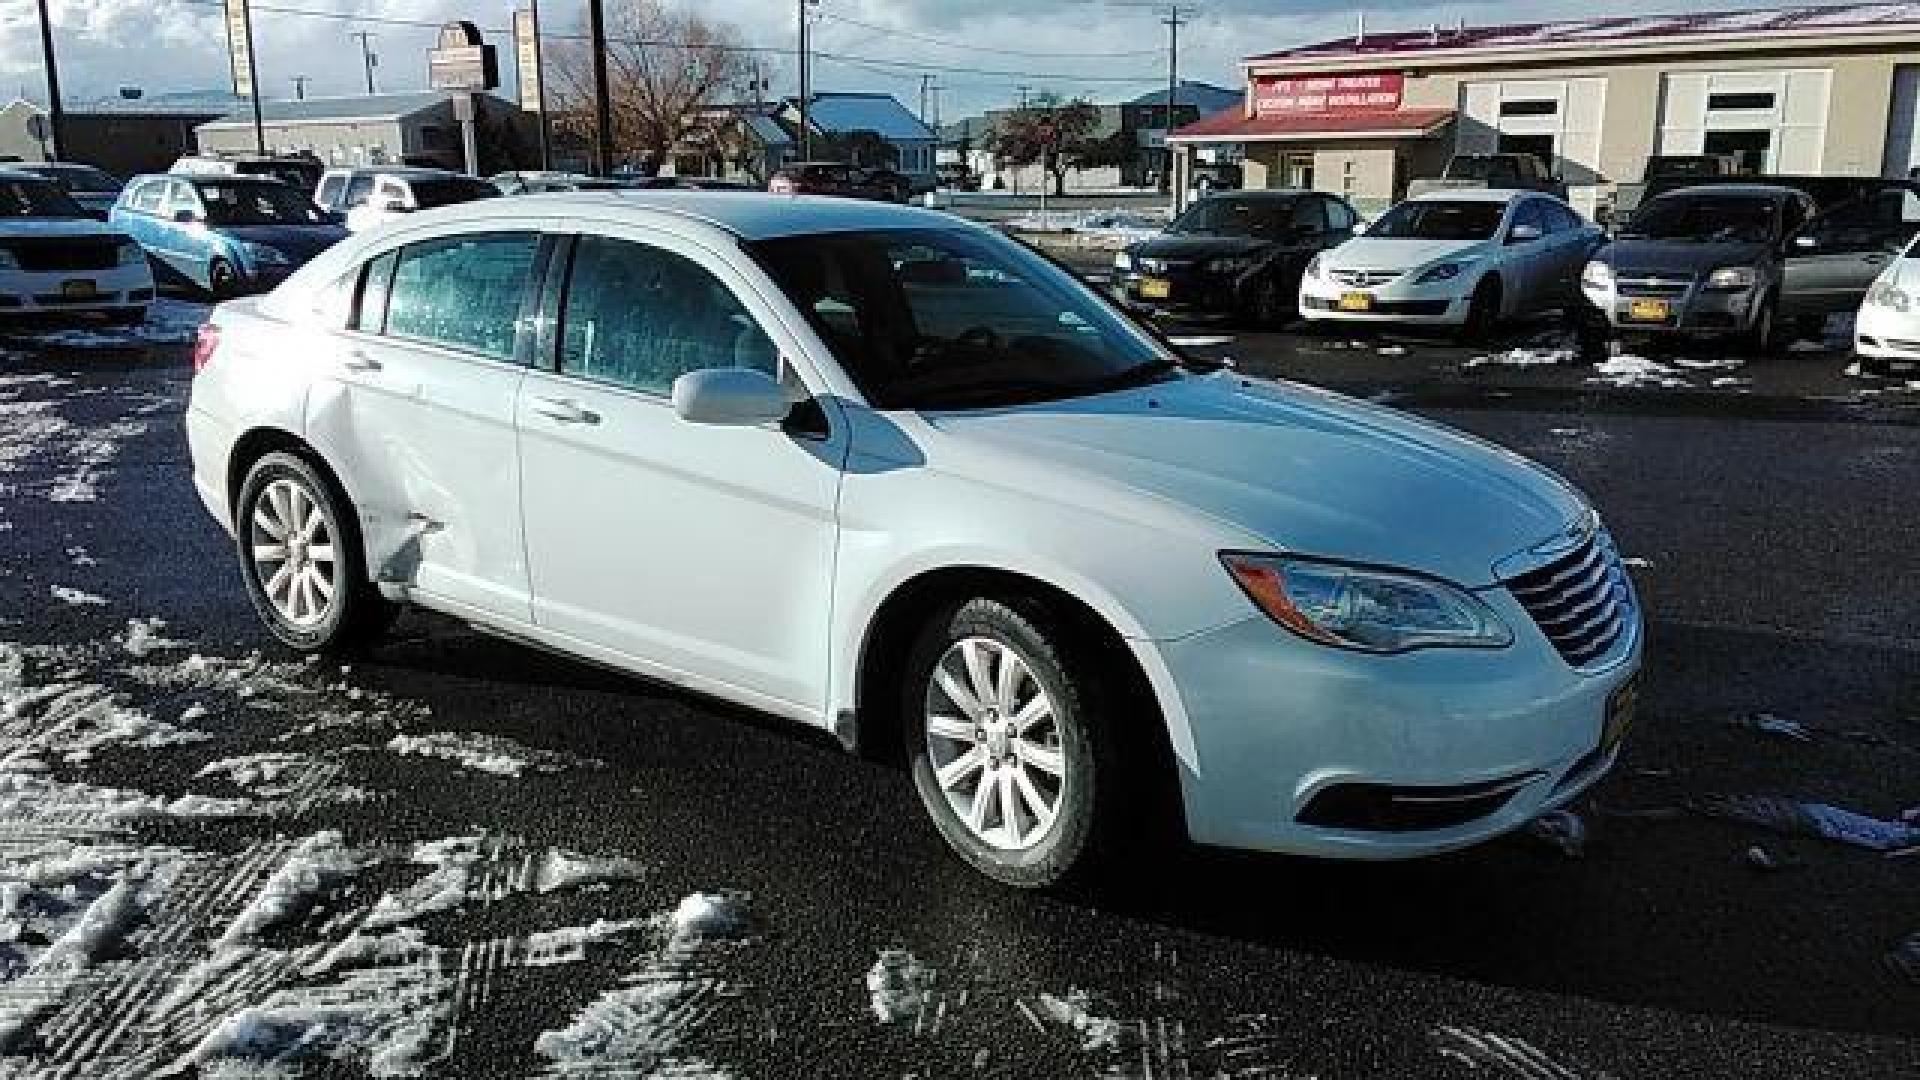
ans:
(463, 292)
(1750, 149)
(1540, 146)
(639, 317)
(1741, 102)
(1537, 107)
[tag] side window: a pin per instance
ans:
(358, 189)
(146, 197)
(1341, 214)
(1528, 213)
(180, 197)
(370, 307)
(1309, 215)
(640, 317)
(1561, 220)
(329, 194)
(1873, 223)
(463, 292)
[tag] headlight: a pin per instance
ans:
(1732, 279)
(1233, 264)
(266, 256)
(132, 255)
(1122, 261)
(1597, 275)
(1315, 264)
(1887, 296)
(1378, 611)
(1443, 272)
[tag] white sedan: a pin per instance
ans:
(1886, 335)
(57, 260)
(1464, 259)
(888, 473)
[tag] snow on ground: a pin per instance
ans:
(485, 753)
(144, 637)
(1499, 1055)
(899, 986)
(313, 865)
(88, 459)
(73, 597)
(1526, 357)
(169, 322)
(1074, 1013)
(1627, 371)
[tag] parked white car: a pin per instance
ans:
(365, 197)
(1886, 335)
(57, 259)
(889, 473)
(1465, 259)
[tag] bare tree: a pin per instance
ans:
(665, 67)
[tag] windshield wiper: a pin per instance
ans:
(1147, 374)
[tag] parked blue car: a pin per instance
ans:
(224, 234)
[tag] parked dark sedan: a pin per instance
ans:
(94, 189)
(1759, 262)
(838, 178)
(1235, 256)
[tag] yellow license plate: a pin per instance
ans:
(1155, 288)
(1356, 301)
(1649, 311)
(77, 288)
(1621, 705)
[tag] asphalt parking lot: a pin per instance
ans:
(1701, 926)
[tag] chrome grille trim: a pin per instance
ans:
(1365, 279)
(1582, 602)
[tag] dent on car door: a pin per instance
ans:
(633, 514)
(417, 408)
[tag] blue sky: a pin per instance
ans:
(1107, 49)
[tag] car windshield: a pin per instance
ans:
(1234, 217)
(82, 178)
(1461, 219)
(1705, 219)
(956, 319)
(1479, 168)
(256, 203)
(445, 191)
(36, 199)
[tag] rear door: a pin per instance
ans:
(703, 552)
(1835, 258)
(419, 413)
(1529, 264)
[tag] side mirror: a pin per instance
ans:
(1524, 234)
(730, 397)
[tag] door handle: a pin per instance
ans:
(563, 411)
(358, 361)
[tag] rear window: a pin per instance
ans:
(21, 198)
(447, 191)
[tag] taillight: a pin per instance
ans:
(204, 345)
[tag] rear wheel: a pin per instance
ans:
(299, 547)
(1009, 746)
(1483, 312)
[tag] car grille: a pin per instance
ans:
(1581, 601)
(1365, 279)
(1653, 284)
(66, 254)
(1164, 266)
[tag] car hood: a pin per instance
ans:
(301, 241)
(1195, 248)
(1666, 256)
(56, 227)
(1300, 469)
(1387, 253)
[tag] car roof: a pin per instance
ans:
(748, 215)
(1258, 193)
(1486, 195)
(1773, 191)
(400, 172)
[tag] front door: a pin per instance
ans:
(1834, 260)
(703, 552)
(418, 415)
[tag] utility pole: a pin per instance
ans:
(602, 106)
(540, 75)
(367, 58)
(300, 87)
(806, 85)
(1023, 88)
(925, 82)
(56, 114)
(1173, 22)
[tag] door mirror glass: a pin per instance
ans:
(730, 397)
(1525, 234)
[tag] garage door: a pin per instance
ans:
(1774, 121)
(1903, 149)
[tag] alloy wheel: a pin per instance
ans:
(292, 543)
(993, 740)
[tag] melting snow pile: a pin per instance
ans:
(1074, 1013)
(1526, 358)
(485, 753)
(312, 866)
(1632, 372)
(898, 986)
(76, 597)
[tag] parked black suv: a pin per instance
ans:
(1761, 262)
(1235, 256)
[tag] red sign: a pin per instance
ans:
(1319, 94)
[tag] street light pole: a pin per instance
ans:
(602, 107)
(806, 86)
(56, 114)
(540, 79)
(1174, 23)
(366, 56)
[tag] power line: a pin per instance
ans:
(893, 32)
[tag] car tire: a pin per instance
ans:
(1040, 803)
(1765, 337)
(223, 281)
(1272, 306)
(1483, 312)
(328, 605)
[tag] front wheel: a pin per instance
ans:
(1007, 752)
(1273, 306)
(1483, 312)
(1764, 336)
(299, 547)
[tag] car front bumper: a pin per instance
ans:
(1290, 740)
(1889, 336)
(116, 288)
(1690, 311)
(1184, 294)
(1401, 302)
